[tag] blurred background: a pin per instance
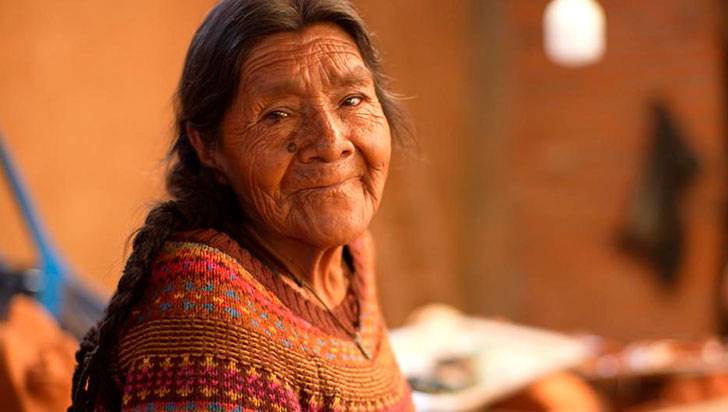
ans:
(581, 192)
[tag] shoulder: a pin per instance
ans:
(202, 310)
(194, 293)
(192, 338)
(198, 275)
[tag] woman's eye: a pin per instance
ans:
(275, 115)
(352, 101)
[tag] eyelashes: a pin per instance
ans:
(352, 101)
(278, 115)
(275, 116)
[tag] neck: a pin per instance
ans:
(320, 267)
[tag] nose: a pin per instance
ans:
(326, 138)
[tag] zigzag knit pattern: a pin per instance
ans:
(208, 336)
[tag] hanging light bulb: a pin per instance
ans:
(574, 32)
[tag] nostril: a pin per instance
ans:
(323, 151)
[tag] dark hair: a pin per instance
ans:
(208, 84)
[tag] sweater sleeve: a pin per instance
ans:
(188, 345)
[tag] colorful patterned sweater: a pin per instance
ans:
(218, 331)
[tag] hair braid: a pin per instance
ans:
(198, 202)
(94, 352)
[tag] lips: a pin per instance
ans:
(329, 184)
(322, 176)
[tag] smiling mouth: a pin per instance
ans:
(328, 187)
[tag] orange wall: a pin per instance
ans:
(85, 104)
(569, 148)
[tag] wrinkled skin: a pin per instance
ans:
(306, 147)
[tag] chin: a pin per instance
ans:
(334, 219)
(332, 231)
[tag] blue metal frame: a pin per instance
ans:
(54, 268)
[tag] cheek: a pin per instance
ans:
(383, 148)
(375, 144)
(255, 169)
(378, 174)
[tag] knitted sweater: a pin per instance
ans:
(218, 331)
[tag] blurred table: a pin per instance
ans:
(456, 363)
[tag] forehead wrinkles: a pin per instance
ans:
(286, 55)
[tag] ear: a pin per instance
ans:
(209, 157)
(204, 153)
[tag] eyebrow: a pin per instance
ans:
(359, 76)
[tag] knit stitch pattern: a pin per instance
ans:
(207, 336)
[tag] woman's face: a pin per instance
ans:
(305, 144)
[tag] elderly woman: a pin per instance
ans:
(253, 287)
